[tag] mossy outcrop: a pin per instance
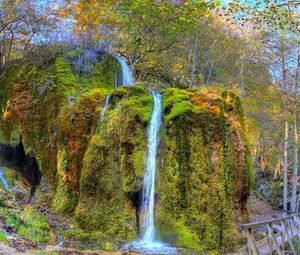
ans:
(113, 165)
(96, 166)
(206, 172)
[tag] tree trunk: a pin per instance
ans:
(296, 148)
(285, 166)
(194, 60)
(295, 167)
(2, 57)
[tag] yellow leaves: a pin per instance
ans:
(208, 14)
(177, 67)
(63, 13)
(6, 115)
(96, 37)
(28, 207)
(64, 176)
(248, 101)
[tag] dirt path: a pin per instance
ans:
(7, 250)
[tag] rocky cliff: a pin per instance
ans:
(95, 166)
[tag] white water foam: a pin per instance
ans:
(127, 77)
(148, 244)
(104, 107)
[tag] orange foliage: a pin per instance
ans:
(215, 109)
(6, 115)
(204, 100)
(28, 207)
(74, 146)
(73, 169)
(198, 102)
(191, 93)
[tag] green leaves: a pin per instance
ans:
(274, 15)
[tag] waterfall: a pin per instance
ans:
(4, 181)
(148, 244)
(105, 107)
(149, 178)
(127, 77)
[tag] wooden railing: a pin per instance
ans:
(278, 233)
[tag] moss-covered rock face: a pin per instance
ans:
(113, 165)
(52, 107)
(95, 165)
(205, 171)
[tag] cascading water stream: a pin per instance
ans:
(148, 244)
(127, 77)
(149, 178)
(105, 107)
(4, 181)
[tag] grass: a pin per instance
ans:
(13, 221)
(3, 237)
(34, 226)
(40, 252)
(27, 223)
(296, 243)
(91, 239)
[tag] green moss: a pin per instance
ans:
(10, 175)
(34, 226)
(76, 125)
(102, 206)
(91, 73)
(103, 73)
(176, 232)
(139, 163)
(11, 135)
(135, 101)
(64, 200)
(129, 91)
(176, 102)
(80, 235)
(88, 239)
(64, 76)
(140, 107)
(200, 179)
(109, 246)
(113, 165)
(27, 223)
(179, 108)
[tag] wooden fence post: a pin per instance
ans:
(273, 239)
(252, 249)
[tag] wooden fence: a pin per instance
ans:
(278, 237)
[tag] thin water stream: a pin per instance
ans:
(105, 107)
(127, 77)
(148, 244)
(4, 181)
